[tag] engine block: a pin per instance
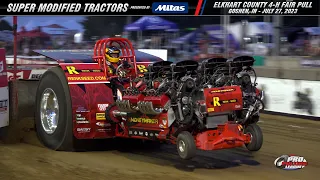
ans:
(191, 93)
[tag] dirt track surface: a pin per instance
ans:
(31, 161)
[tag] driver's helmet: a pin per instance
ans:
(113, 54)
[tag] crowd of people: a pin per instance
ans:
(190, 50)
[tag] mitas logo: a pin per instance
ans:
(102, 107)
(170, 7)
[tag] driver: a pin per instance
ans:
(113, 60)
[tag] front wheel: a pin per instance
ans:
(186, 146)
(256, 137)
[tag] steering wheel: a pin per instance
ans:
(122, 72)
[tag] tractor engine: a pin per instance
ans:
(152, 100)
(183, 90)
(233, 82)
(191, 94)
(244, 76)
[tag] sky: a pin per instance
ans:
(70, 22)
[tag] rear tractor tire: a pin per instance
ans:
(53, 116)
(256, 137)
(186, 146)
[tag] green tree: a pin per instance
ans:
(4, 25)
(103, 26)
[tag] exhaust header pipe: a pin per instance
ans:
(125, 106)
(146, 107)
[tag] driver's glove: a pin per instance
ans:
(122, 74)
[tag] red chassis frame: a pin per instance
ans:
(229, 135)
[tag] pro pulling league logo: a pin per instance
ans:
(290, 162)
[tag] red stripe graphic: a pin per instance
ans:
(198, 8)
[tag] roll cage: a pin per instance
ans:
(127, 52)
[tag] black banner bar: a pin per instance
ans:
(163, 7)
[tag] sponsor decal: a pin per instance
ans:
(170, 7)
(72, 70)
(228, 101)
(81, 109)
(35, 76)
(290, 162)
(143, 133)
(100, 116)
(83, 130)
(210, 109)
(142, 68)
(87, 78)
(90, 70)
(164, 121)
(222, 90)
(217, 102)
(102, 107)
(11, 75)
(3, 105)
(143, 120)
(103, 124)
(103, 130)
(81, 120)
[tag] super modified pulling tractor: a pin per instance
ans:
(207, 105)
